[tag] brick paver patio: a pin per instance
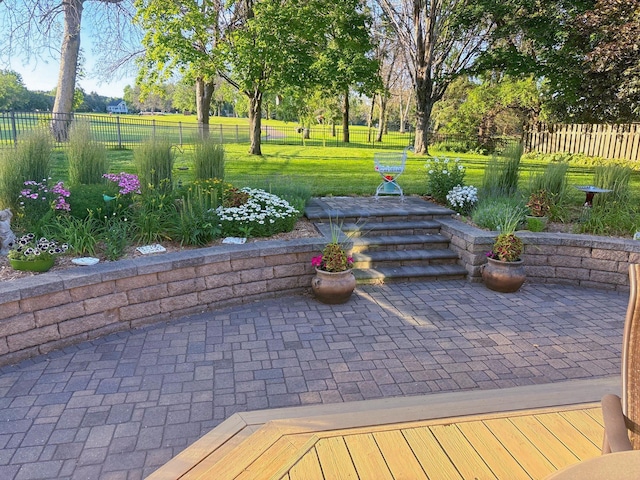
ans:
(120, 407)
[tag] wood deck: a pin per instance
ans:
(405, 438)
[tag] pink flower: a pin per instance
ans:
(316, 261)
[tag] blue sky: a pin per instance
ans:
(43, 74)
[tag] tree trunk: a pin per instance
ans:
(384, 101)
(370, 119)
(204, 93)
(63, 104)
(255, 122)
(345, 118)
(424, 106)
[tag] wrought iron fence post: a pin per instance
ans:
(14, 130)
(180, 130)
(119, 134)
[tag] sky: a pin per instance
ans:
(44, 76)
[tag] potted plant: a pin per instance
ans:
(35, 255)
(539, 206)
(504, 270)
(334, 281)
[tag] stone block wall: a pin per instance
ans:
(50, 311)
(563, 258)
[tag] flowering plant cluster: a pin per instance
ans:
(462, 199)
(262, 215)
(30, 249)
(332, 259)
(37, 197)
(443, 175)
(128, 182)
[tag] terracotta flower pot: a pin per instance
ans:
(333, 287)
(505, 277)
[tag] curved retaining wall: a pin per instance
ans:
(49, 311)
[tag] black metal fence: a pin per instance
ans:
(127, 131)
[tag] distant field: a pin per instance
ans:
(126, 131)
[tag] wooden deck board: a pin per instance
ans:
(399, 456)
(508, 445)
(430, 455)
(461, 452)
(367, 457)
(545, 441)
(519, 446)
(569, 435)
(307, 468)
(494, 453)
(335, 460)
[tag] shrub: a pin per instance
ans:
(87, 158)
(30, 160)
(442, 176)
(208, 159)
(86, 199)
(154, 162)
(489, 213)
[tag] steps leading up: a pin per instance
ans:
(391, 240)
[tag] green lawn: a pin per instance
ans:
(330, 170)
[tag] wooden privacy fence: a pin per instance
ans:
(607, 141)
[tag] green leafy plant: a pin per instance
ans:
(539, 203)
(151, 215)
(87, 158)
(334, 257)
(82, 235)
(115, 237)
(196, 222)
(490, 210)
(508, 247)
(502, 173)
(442, 176)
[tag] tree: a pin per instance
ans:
(33, 28)
(184, 36)
(441, 40)
(346, 63)
(273, 46)
(13, 94)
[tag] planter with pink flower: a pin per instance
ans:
(334, 281)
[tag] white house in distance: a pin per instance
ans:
(117, 106)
